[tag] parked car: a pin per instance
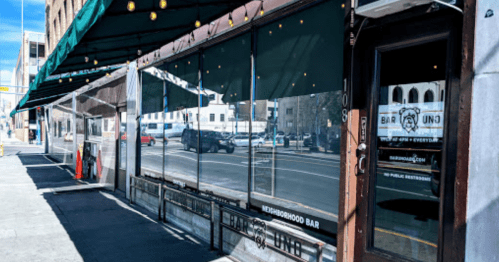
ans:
(292, 136)
(279, 137)
(310, 141)
(211, 141)
(174, 129)
(144, 139)
(154, 129)
(242, 140)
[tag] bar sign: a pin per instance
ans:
(4, 89)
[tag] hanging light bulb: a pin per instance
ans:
(192, 37)
(153, 16)
(147, 61)
(87, 80)
(246, 18)
(231, 23)
(130, 6)
(139, 52)
(60, 80)
(107, 74)
(70, 79)
(127, 62)
(198, 21)
(163, 4)
(86, 59)
(96, 62)
(261, 9)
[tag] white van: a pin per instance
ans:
(174, 129)
(154, 129)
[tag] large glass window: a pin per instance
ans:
(291, 128)
(96, 123)
(62, 144)
(409, 153)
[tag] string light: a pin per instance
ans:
(147, 61)
(70, 79)
(198, 22)
(280, 25)
(261, 9)
(231, 23)
(301, 22)
(342, 5)
(86, 59)
(60, 80)
(127, 62)
(107, 74)
(163, 4)
(192, 36)
(139, 52)
(246, 18)
(87, 80)
(153, 16)
(96, 62)
(130, 6)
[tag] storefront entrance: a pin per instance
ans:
(405, 138)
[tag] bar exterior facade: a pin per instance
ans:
(306, 131)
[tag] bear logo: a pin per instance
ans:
(409, 118)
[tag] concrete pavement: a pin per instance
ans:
(37, 225)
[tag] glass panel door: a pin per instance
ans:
(410, 128)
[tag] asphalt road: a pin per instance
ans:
(313, 182)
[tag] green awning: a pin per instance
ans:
(51, 89)
(104, 30)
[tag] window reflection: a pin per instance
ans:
(295, 166)
(409, 152)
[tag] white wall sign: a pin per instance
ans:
(411, 120)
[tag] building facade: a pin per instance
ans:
(402, 154)
(30, 59)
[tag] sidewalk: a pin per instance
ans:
(37, 225)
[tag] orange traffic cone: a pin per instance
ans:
(79, 166)
(99, 165)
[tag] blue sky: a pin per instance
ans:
(10, 31)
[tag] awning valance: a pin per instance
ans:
(54, 88)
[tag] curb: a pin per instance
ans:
(305, 156)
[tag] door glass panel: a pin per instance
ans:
(410, 127)
(123, 140)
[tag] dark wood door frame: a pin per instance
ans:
(375, 40)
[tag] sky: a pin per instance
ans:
(10, 31)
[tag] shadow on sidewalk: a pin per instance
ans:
(104, 227)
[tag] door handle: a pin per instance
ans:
(361, 159)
